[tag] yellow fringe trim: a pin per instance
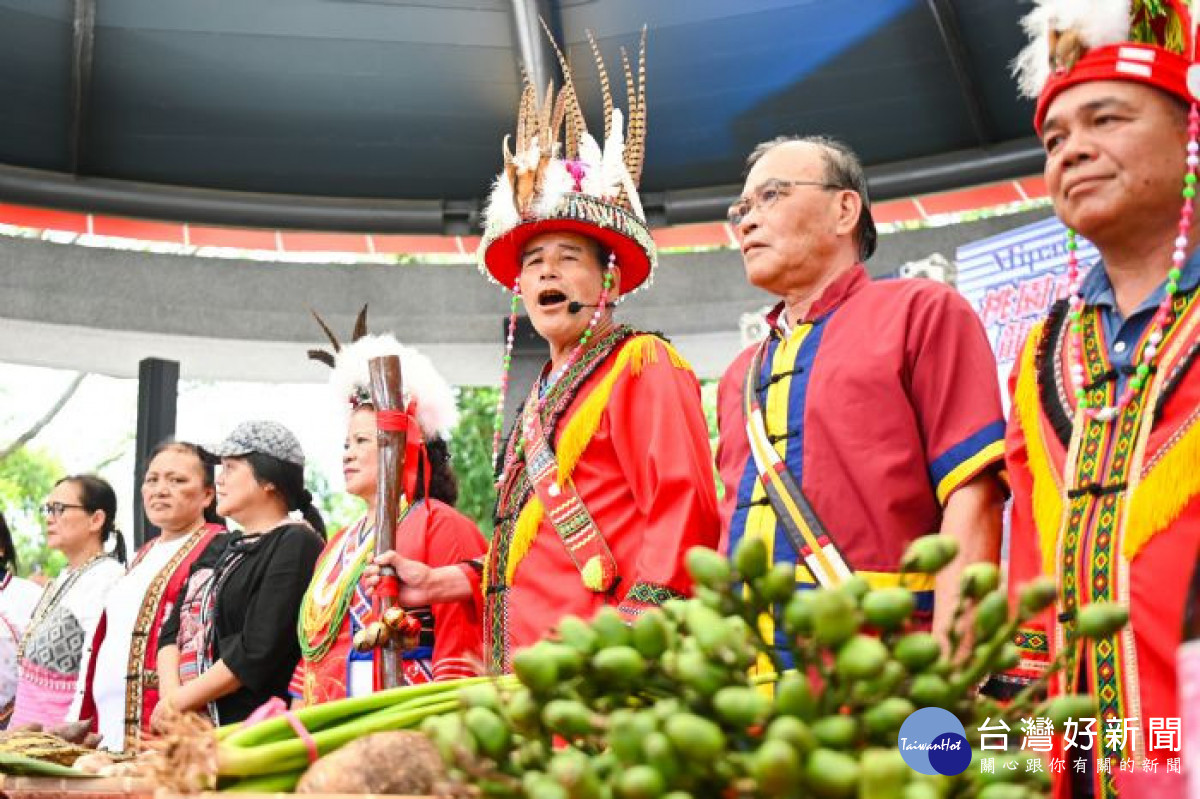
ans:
(1163, 493)
(527, 529)
(1047, 490)
(578, 434)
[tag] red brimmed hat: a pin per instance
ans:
(560, 179)
(1077, 41)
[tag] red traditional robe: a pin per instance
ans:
(627, 426)
(435, 534)
(141, 695)
(1112, 511)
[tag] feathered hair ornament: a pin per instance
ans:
(437, 411)
(1074, 41)
(557, 176)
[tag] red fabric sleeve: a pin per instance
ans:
(733, 447)
(660, 435)
(458, 632)
(954, 388)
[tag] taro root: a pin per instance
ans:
(397, 762)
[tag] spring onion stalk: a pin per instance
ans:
(284, 782)
(288, 755)
(319, 717)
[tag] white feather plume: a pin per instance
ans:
(501, 211)
(592, 160)
(613, 164)
(437, 411)
(556, 182)
(1096, 22)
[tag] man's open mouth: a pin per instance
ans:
(550, 297)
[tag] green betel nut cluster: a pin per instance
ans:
(693, 700)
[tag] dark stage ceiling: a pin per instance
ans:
(385, 115)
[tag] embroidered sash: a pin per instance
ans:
(564, 507)
(808, 535)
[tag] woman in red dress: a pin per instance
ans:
(430, 530)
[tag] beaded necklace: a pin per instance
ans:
(1163, 317)
(556, 375)
(51, 601)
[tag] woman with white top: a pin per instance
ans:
(80, 516)
(18, 598)
(119, 688)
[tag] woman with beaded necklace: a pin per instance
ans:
(337, 606)
(80, 516)
(120, 686)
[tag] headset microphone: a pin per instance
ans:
(575, 307)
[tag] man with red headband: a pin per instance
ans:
(606, 479)
(1103, 443)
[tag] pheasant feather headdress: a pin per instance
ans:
(1076, 41)
(558, 177)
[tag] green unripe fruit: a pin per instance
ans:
(678, 795)
(708, 568)
(489, 730)
(541, 786)
(1037, 595)
(776, 768)
(640, 782)
(695, 737)
(794, 731)
(794, 696)
(836, 732)
(917, 651)
(978, 580)
(883, 774)
(929, 554)
(835, 618)
(778, 584)
(1100, 619)
(1062, 709)
(1002, 790)
(568, 718)
(572, 769)
(888, 608)
(536, 668)
(855, 587)
(990, 615)
(651, 634)
(1009, 657)
(831, 775)
(522, 710)
(697, 672)
(621, 665)
(751, 559)
(798, 613)
(661, 755)
(627, 729)
(481, 695)
(567, 659)
(861, 658)
(930, 690)
(610, 628)
(577, 634)
(741, 706)
(920, 790)
(883, 719)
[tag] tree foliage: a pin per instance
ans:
(26, 477)
(471, 445)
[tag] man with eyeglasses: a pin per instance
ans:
(871, 414)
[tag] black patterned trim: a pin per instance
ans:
(1054, 404)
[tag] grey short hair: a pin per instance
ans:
(842, 168)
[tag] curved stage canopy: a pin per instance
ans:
(103, 310)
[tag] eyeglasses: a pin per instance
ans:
(765, 196)
(55, 509)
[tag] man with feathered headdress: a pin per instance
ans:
(606, 479)
(1104, 440)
